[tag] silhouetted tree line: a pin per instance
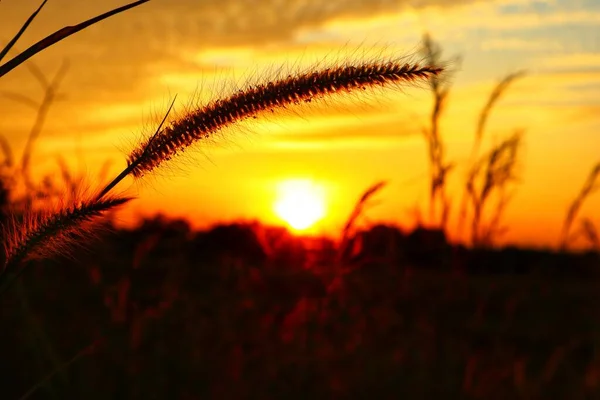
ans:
(425, 248)
(251, 244)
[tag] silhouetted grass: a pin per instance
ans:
(348, 233)
(492, 175)
(469, 196)
(221, 314)
(235, 328)
(439, 203)
(589, 187)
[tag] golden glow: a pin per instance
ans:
(300, 203)
(348, 142)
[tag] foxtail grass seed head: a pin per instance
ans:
(49, 234)
(203, 122)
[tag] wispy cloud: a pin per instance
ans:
(570, 60)
(517, 43)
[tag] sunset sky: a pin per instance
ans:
(124, 71)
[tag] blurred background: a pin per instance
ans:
(433, 240)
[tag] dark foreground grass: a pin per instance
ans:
(178, 328)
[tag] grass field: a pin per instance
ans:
(175, 327)
(162, 312)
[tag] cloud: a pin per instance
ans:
(233, 22)
(119, 51)
(571, 61)
(212, 22)
(557, 81)
(516, 43)
(483, 16)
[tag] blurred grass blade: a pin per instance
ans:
(7, 151)
(86, 351)
(356, 213)
(21, 31)
(589, 187)
(497, 92)
(60, 35)
(50, 95)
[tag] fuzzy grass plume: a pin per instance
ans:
(51, 234)
(203, 122)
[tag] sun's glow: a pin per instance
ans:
(300, 203)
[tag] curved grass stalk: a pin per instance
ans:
(55, 37)
(203, 122)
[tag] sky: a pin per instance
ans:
(123, 73)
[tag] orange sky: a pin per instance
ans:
(123, 72)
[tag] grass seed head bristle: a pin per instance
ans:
(202, 123)
(50, 234)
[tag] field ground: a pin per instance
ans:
(234, 331)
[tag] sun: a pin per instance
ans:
(300, 203)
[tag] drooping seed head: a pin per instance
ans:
(52, 233)
(205, 121)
